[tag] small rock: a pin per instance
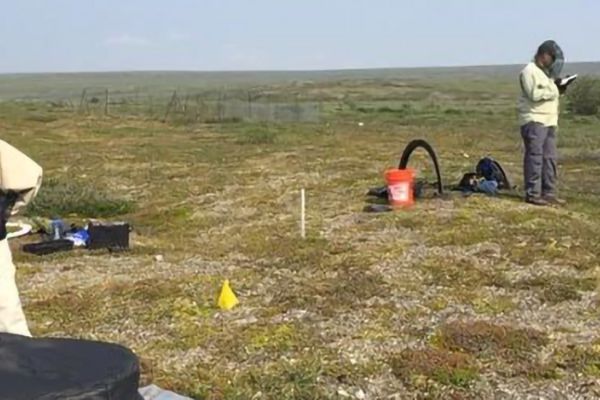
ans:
(360, 395)
(159, 258)
(343, 393)
(290, 316)
(246, 321)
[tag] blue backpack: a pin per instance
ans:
(491, 170)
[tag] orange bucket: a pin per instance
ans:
(400, 183)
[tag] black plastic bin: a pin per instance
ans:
(66, 369)
(113, 235)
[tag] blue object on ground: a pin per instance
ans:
(153, 392)
(488, 187)
(58, 229)
(79, 238)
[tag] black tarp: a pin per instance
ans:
(66, 369)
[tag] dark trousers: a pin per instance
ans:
(540, 160)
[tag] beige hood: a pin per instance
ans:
(19, 173)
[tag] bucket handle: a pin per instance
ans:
(412, 146)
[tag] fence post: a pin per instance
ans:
(83, 98)
(249, 105)
(173, 99)
(220, 106)
(185, 102)
(298, 110)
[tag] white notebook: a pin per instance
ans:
(567, 80)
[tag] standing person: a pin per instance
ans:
(538, 109)
(20, 180)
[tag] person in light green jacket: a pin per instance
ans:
(538, 109)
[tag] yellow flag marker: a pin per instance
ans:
(227, 299)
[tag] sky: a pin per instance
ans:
(209, 35)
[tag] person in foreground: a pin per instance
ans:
(20, 180)
(538, 109)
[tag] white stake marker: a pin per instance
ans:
(302, 214)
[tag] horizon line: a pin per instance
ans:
(349, 69)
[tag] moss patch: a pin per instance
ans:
(446, 367)
(490, 340)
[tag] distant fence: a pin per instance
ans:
(290, 112)
(203, 107)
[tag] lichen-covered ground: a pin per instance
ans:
(456, 298)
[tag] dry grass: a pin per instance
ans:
(330, 314)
